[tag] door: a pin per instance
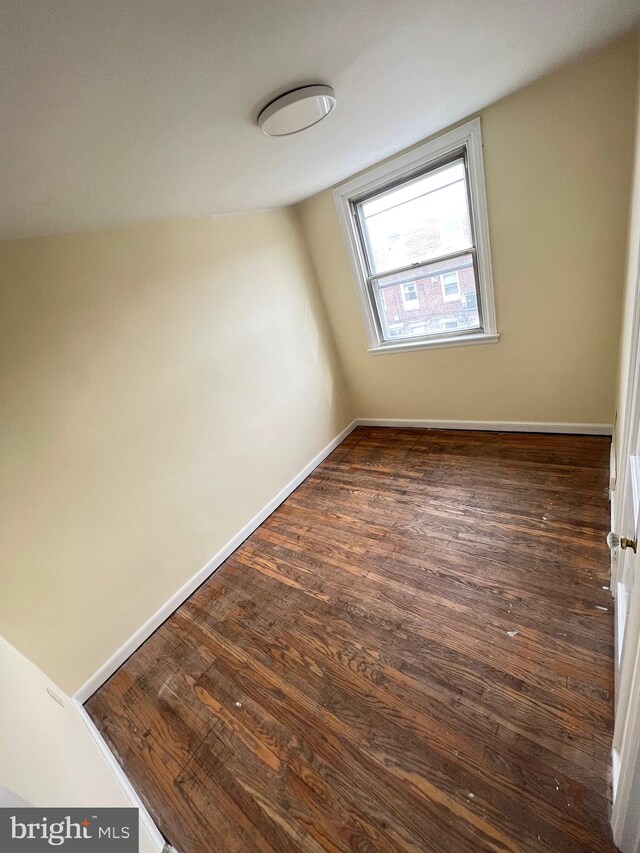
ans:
(625, 564)
(623, 545)
(625, 587)
(625, 817)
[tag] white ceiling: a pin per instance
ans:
(117, 111)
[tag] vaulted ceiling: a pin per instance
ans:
(118, 111)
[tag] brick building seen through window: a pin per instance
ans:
(432, 300)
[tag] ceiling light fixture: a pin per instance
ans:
(297, 110)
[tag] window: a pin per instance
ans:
(450, 286)
(422, 218)
(409, 296)
(470, 300)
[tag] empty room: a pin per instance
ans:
(320, 426)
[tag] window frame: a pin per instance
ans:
(457, 296)
(465, 139)
(465, 297)
(405, 301)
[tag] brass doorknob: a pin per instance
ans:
(614, 542)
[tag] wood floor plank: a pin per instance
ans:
(413, 652)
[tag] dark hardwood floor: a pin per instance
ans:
(414, 652)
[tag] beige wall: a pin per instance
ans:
(160, 384)
(35, 732)
(557, 159)
(621, 439)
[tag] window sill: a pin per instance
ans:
(440, 343)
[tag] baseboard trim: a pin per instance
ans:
(156, 837)
(135, 641)
(492, 426)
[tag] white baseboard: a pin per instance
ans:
(126, 650)
(492, 426)
(146, 821)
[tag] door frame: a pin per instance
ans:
(625, 816)
(626, 434)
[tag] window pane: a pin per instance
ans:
(422, 219)
(435, 299)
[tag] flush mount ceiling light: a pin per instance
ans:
(297, 110)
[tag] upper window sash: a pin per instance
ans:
(427, 183)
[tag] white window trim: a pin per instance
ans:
(467, 135)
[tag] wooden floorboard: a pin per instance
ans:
(414, 652)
